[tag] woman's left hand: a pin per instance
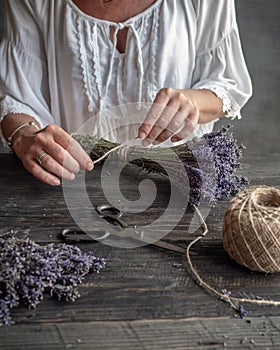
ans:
(174, 112)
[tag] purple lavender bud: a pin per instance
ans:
(28, 271)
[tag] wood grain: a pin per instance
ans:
(146, 297)
(180, 334)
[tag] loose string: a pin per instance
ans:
(107, 153)
(123, 150)
(122, 154)
(205, 285)
(199, 279)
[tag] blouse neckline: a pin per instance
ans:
(135, 18)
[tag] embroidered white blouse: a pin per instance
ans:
(60, 66)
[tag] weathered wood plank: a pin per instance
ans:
(182, 334)
(150, 283)
(46, 212)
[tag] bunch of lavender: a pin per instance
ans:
(222, 149)
(28, 270)
(210, 163)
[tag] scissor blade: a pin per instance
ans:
(78, 236)
(169, 246)
(134, 235)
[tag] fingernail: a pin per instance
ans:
(142, 135)
(72, 176)
(145, 143)
(56, 182)
(89, 166)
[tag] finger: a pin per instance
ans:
(150, 120)
(175, 124)
(73, 147)
(189, 127)
(164, 121)
(51, 165)
(56, 152)
(62, 157)
(161, 100)
(80, 155)
(41, 174)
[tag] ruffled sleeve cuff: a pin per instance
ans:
(229, 106)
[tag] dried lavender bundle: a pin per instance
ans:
(28, 271)
(217, 150)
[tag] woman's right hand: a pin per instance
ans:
(61, 155)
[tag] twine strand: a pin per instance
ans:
(123, 151)
(106, 154)
(251, 231)
(205, 285)
(122, 155)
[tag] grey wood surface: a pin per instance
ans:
(259, 28)
(146, 297)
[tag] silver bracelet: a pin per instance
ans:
(10, 139)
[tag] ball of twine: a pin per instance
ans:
(251, 231)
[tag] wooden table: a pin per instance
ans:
(146, 297)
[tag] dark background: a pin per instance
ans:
(259, 26)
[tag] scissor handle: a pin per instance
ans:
(76, 236)
(110, 212)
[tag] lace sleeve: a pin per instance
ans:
(229, 107)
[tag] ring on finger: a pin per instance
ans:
(40, 156)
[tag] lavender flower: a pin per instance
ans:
(241, 312)
(28, 271)
(217, 150)
(222, 148)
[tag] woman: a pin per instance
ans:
(63, 61)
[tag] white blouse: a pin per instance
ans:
(60, 66)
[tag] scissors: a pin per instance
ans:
(113, 215)
(106, 211)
